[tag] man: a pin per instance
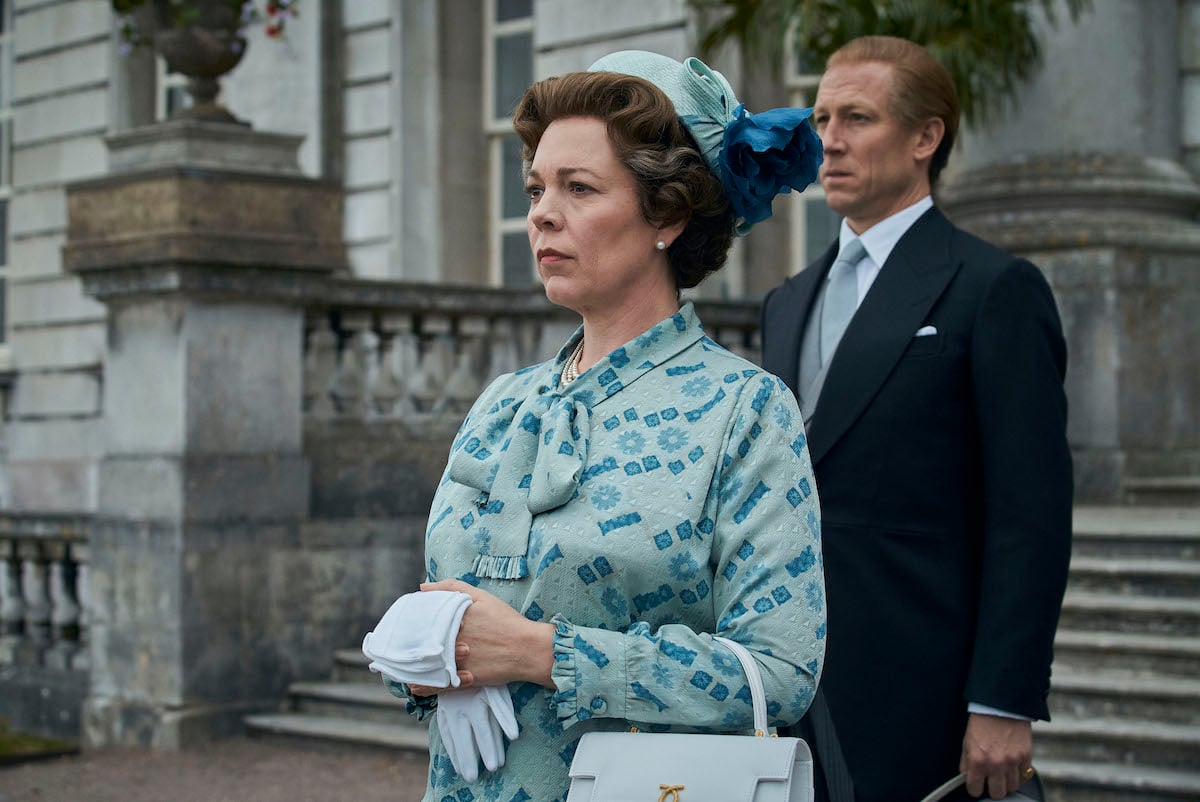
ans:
(929, 371)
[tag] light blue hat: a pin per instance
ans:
(703, 99)
(756, 156)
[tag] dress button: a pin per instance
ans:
(599, 705)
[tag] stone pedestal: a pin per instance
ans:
(1118, 239)
(197, 243)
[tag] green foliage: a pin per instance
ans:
(16, 747)
(990, 47)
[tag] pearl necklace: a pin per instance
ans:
(570, 371)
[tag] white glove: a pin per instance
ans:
(414, 641)
(470, 723)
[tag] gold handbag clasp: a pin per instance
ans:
(673, 790)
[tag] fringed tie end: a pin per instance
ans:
(501, 567)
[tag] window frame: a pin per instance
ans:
(497, 129)
(802, 91)
(166, 82)
(7, 87)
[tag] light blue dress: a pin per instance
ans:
(663, 496)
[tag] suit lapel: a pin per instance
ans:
(897, 304)
(786, 316)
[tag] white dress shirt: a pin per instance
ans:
(880, 240)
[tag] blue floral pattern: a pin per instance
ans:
(631, 442)
(687, 513)
(683, 566)
(605, 497)
(672, 439)
(696, 386)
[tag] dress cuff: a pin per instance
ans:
(420, 706)
(563, 674)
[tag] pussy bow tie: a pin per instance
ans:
(525, 458)
(526, 455)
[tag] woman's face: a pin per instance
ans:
(594, 249)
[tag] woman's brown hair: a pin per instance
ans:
(674, 182)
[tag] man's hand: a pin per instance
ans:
(996, 752)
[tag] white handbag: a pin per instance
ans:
(692, 767)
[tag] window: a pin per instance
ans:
(814, 225)
(172, 92)
(508, 70)
(6, 125)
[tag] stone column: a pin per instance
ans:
(1087, 180)
(197, 242)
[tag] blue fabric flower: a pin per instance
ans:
(766, 154)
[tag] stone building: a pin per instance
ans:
(230, 358)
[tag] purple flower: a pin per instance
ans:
(764, 155)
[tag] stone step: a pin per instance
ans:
(1143, 576)
(335, 733)
(1096, 695)
(1150, 532)
(1073, 781)
(1146, 615)
(350, 665)
(1159, 655)
(1162, 490)
(361, 701)
(1108, 741)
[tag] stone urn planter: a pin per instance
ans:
(202, 42)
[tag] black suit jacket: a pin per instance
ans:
(945, 484)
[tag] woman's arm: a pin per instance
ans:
(768, 594)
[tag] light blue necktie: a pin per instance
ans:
(841, 297)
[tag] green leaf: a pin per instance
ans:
(990, 47)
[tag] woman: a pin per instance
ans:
(612, 509)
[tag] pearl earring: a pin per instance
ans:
(662, 246)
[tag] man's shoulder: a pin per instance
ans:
(993, 266)
(783, 293)
(798, 281)
(985, 261)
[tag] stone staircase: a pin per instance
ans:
(1173, 491)
(352, 710)
(1126, 680)
(1125, 696)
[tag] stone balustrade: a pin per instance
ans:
(422, 354)
(43, 582)
(390, 370)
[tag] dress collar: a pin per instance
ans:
(525, 453)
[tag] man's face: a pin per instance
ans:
(873, 166)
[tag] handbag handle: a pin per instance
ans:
(1034, 785)
(758, 696)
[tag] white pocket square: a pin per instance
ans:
(925, 331)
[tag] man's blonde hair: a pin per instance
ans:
(921, 87)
